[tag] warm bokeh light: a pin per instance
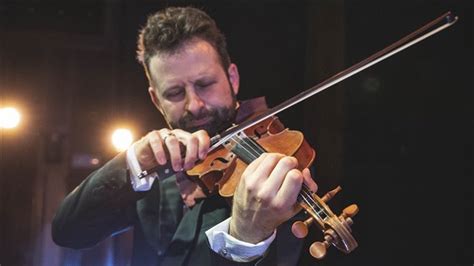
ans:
(9, 117)
(122, 139)
(95, 161)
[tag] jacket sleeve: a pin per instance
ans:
(286, 249)
(102, 205)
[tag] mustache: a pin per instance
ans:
(189, 117)
(219, 119)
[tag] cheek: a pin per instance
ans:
(221, 98)
(173, 111)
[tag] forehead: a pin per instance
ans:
(193, 59)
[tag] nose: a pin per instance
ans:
(194, 103)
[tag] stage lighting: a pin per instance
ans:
(9, 117)
(122, 139)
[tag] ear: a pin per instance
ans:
(234, 77)
(154, 98)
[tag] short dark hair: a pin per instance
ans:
(166, 31)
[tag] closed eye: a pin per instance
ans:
(174, 94)
(204, 84)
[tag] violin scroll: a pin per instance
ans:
(336, 229)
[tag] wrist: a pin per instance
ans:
(222, 243)
(248, 233)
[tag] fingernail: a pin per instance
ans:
(161, 161)
(186, 166)
(178, 168)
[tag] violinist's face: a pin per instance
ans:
(191, 88)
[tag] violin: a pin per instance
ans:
(232, 150)
(270, 135)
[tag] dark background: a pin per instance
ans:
(397, 137)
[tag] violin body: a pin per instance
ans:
(222, 168)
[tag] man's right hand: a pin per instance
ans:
(160, 146)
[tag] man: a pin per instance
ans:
(194, 85)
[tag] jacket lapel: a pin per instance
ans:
(159, 213)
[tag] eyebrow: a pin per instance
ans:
(167, 86)
(206, 78)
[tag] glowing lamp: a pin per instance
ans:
(9, 117)
(122, 139)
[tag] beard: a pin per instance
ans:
(219, 120)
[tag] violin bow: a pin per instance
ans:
(442, 22)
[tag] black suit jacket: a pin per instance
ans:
(105, 204)
(164, 232)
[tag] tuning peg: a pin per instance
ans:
(347, 214)
(331, 194)
(300, 229)
(318, 249)
(350, 211)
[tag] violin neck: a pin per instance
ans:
(247, 149)
(312, 206)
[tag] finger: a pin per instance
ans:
(289, 190)
(156, 143)
(278, 174)
(253, 166)
(144, 153)
(264, 169)
(174, 150)
(204, 143)
(179, 133)
(191, 152)
(188, 148)
(247, 183)
(308, 180)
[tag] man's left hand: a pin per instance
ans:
(267, 196)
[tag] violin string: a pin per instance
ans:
(304, 195)
(245, 149)
(247, 144)
(239, 141)
(253, 145)
(311, 206)
(307, 192)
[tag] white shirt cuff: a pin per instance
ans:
(232, 248)
(139, 184)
